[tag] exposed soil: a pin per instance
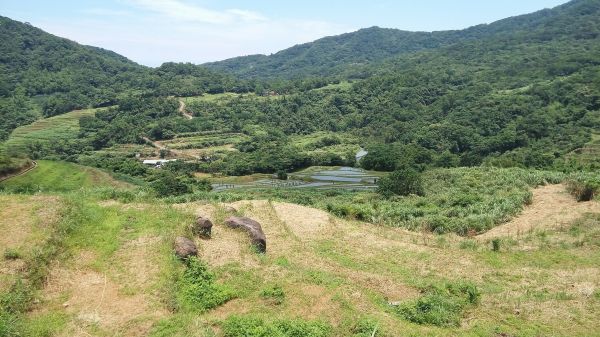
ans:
(183, 110)
(121, 300)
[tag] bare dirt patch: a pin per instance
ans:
(122, 299)
(553, 207)
(25, 222)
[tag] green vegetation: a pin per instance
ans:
(48, 132)
(440, 305)
(459, 126)
(273, 294)
(584, 186)
(403, 182)
(196, 289)
(51, 176)
(243, 326)
(459, 200)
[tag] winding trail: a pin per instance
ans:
(183, 111)
(33, 165)
(552, 207)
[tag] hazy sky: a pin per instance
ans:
(151, 32)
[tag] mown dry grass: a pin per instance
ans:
(543, 282)
(25, 222)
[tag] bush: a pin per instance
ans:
(440, 305)
(166, 184)
(403, 182)
(282, 175)
(197, 288)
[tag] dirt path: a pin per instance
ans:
(552, 207)
(177, 153)
(183, 111)
(33, 165)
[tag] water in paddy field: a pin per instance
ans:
(349, 178)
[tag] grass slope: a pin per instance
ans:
(51, 176)
(321, 276)
(53, 129)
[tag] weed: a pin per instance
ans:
(250, 326)
(496, 245)
(469, 245)
(440, 305)
(365, 328)
(12, 254)
(273, 294)
(197, 289)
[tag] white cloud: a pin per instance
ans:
(248, 16)
(187, 33)
(105, 12)
(180, 10)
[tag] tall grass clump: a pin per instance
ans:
(584, 186)
(197, 289)
(251, 326)
(440, 305)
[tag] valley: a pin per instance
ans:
(376, 183)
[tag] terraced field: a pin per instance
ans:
(588, 154)
(46, 130)
(206, 141)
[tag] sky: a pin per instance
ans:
(151, 32)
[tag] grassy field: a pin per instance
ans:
(51, 176)
(51, 129)
(108, 268)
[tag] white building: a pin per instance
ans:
(157, 162)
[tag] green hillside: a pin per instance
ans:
(49, 176)
(44, 131)
(349, 54)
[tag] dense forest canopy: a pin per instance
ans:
(349, 54)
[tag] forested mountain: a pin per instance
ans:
(523, 91)
(526, 98)
(347, 54)
(35, 63)
(45, 75)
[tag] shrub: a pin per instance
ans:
(440, 305)
(282, 175)
(166, 184)
(403, 182)
(197, 288)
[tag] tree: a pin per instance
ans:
(404, 181)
